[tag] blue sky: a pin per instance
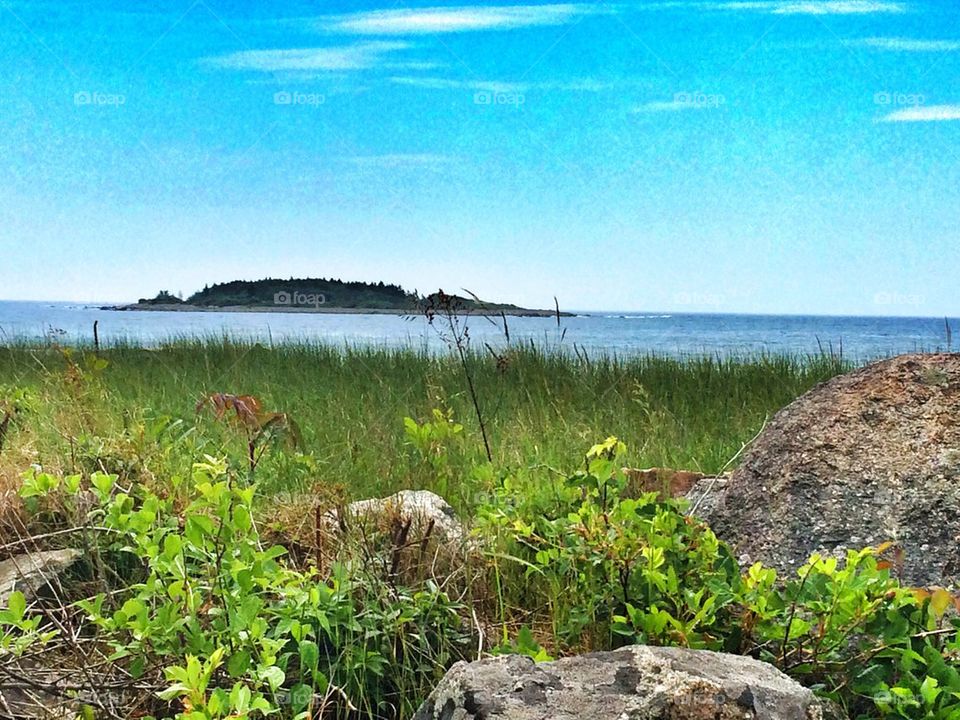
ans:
(798, 156)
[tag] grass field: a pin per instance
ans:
(132, 411)
(198, 481)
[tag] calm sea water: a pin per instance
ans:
(862, 338)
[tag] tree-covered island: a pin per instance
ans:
(317, 295)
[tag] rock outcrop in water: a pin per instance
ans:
(636, 682)
(867, 457)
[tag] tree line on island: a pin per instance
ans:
(309, 293)
(270, 292)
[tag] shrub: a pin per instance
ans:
(219, 626)
(610, 570)
(200, 620)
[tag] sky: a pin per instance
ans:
(769, 156)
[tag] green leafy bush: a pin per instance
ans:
(221, 627)
(610, 570)
(434, 441)
(625, 569)
(213, 624)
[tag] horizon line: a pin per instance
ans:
(577, 312)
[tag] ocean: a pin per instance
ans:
(613, 333)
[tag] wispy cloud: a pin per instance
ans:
(909, 45)
(927, 113)
(786, 7)
(663, 106)
(818, 7)
(358, 56)
(433, 83)
(415, 65)
(410, 21)
(496, 86)
(683, 101)
(400, 160)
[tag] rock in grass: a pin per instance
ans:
(865, 458)
(651, 683)
(31, 571)
(427, 514)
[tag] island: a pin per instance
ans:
(320, 295)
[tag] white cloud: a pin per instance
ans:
(787, 7)
(909, 45)
(400, 160)
(350, 57)
(928, 113)
(409, 21)
(683, 101)
(494, 86)
(445, 84)
(415, 65)
(818, 7)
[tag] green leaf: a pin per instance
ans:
(175, 690)
(17, 605)
(240, 698)
(273, 552)
(71, 484)
(300, 696)
(103, 483)
(241, 518)
(929, 690)
(239, 663)
(273, 675)
(309, 655)
(216, 703)
(172, 545)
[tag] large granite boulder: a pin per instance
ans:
(865, 458)
(651, 683)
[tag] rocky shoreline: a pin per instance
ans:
(323, 310)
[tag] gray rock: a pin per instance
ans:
(868, 457)
(423, 509)
(705, 495)
(31, 571)
(634, 683)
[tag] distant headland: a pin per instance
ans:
(319, 295)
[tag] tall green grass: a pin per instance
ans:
(137, 414)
